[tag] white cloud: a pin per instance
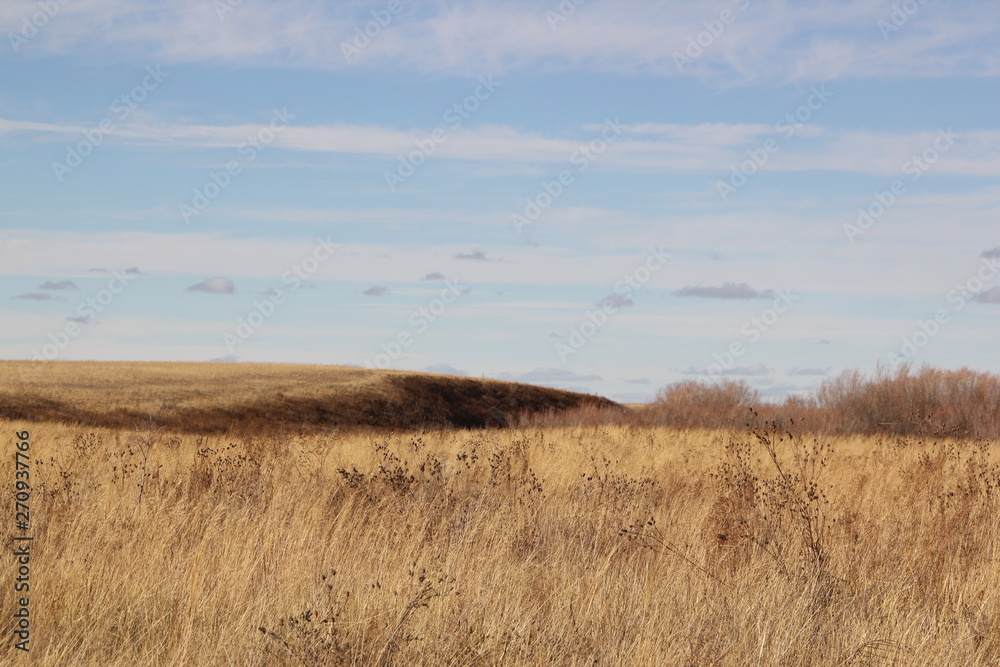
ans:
(713, 149)
(777, 41)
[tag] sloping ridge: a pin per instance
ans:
(379, 399)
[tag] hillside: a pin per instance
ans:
(215, 397)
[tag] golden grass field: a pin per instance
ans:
(572, 545)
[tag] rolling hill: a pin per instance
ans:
(215, 397)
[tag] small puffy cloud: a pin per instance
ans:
(36, 296)
(616, 301)
(60, 285)
(808, 371)
(434, 276)
(376, 290)
(992, 295)
(478, 255)
(639, 381)
(726, 291)
(217, 285)
(991, 254)
(444, 369)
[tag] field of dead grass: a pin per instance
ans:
(218, 397)
(605, 544)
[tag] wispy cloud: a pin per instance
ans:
(767, 41)
(709, 148)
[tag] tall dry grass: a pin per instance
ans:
(607, 545)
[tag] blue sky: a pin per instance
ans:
(607, 197)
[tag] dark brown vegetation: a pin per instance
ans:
(216, 397)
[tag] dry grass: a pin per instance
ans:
(607, 545)
(217, 397)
